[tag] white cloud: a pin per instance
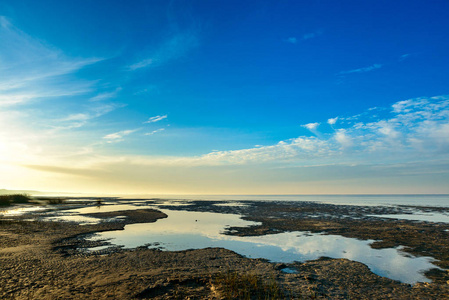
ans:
(362, 70)
(77, 120)
(388, 129)
(155, 119)
(155, 131)
(332, 121)
(172, 49)
(311, 126)
(106, 95)
(404, 56)
(302, 148)
(291, 40)
(312, 35)
(118, 136)
(307, 36)
(409, 138)
(343, 139)
(77, 117)
(142, 64)
(30, 69)
(414, 128)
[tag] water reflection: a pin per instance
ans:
(82, 220)
(194, 230)
(101, 208)
(18, 211)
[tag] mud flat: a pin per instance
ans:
(46, 259)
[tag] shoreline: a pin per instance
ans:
(30, 248)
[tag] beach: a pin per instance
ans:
(55, 259)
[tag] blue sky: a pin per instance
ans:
(225, 97)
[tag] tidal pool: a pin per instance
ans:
(183, 230)
(18, 211)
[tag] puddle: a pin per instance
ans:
(195, 230)
(83, 220)
(17, 211)
(427, 217)
(101, 208)
(289, 270)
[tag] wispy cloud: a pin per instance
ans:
(174, 48)
(362, 70)
(291, 40)
(312, 35)
(30, 69)
(155, 131)
(155, 119)
(118, 136)
(304, 37)
(106, 95)
(404, 56)
(76, 120)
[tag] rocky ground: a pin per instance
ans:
(45, 260)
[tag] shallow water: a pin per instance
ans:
(18, 211)
(102, 208)
(82, 220)
(365, 200)
(194, 230)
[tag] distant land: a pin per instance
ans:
(30, 192)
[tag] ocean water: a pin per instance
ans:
(362, 200)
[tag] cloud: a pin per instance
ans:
(118, 136)
(332, 121)
(291, 40)
(312, 35)
(406, 56)
(362, 70)
(155, 131)
(343, 139)
(304, 148)
(30, 69)
(155, 119)
(174, 48)
(407, 141)
(307, 36)
(106, 95)
(64, 170)
(415, 129)
(311, 126)
(79, 119)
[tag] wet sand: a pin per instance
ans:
(46, 260)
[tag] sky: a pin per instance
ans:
(225, 97)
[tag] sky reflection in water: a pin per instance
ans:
(193, 230)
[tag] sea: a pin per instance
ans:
(439, 200)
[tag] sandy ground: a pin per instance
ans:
(40, 260)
